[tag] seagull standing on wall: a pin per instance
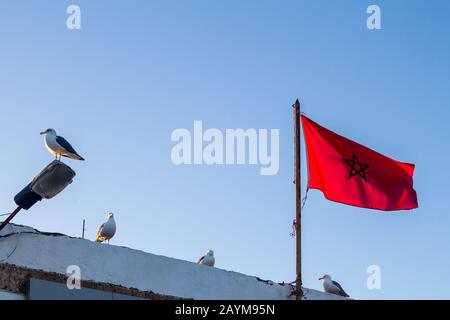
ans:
(58, 146)
(333, 287)
(208, 259)
(107, 230)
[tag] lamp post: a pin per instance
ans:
(53, 179)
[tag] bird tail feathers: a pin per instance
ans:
(74, 156)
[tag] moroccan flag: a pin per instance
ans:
(350, 173)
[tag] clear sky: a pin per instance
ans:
(117, 88)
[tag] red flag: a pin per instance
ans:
(350, 173)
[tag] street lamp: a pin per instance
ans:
(53, 179)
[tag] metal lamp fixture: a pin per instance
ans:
(53, 179)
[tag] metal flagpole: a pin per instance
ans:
(298, 206)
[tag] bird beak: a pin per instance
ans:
(321, 278)
(43, 132)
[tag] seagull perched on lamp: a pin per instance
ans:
(207, 259)
(333, 287)
(58, 146)
(107, 230)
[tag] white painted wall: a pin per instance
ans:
(135, 269)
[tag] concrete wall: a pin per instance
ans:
(26, 247)
(5, 295)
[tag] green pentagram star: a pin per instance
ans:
(356, 167)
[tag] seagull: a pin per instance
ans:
(208, 259)
(333, 287)
(58, 146)
(107, 229)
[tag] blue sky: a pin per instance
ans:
(117, 88)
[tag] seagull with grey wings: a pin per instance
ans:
(208, 259)
(333, 287)
(107, 230)
(58, 146)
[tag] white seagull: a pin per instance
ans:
(208, 259)
(58, 146)
(107, 230)
(333, 287)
